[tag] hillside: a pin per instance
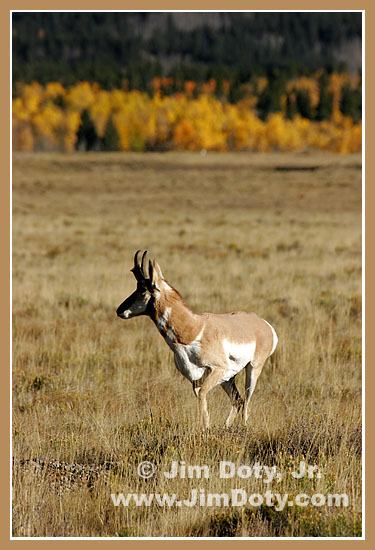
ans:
(110, 47)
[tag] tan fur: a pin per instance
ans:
(203, 343)
(185, 323)
(239, 327)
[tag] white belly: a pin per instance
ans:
(237, 356)
(187, 359)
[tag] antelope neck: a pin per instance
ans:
(174, 319)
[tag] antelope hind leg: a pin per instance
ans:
(252, 375)
(231, 390)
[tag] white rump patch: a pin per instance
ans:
(275, 339)
(238, 356)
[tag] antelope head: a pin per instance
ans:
(149, 277)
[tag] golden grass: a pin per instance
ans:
(278, 234)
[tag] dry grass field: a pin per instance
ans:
(278, 234)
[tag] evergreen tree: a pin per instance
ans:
(303, 103)
(351, 103)
(110, 141)
(290, 107)
(87, 138)
(324, 109)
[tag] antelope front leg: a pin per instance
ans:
(211, 381)
(237, 402)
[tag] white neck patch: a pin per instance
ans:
(163, 319)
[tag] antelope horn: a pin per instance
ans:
(144, 266)
(136, 269)
(139, 267)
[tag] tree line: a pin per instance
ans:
(87, 117)
(129, 50)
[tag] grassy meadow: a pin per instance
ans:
(278, 234)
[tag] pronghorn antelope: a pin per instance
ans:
(209, 348)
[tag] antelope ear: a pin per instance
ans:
(157, 269)
(155, 273)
